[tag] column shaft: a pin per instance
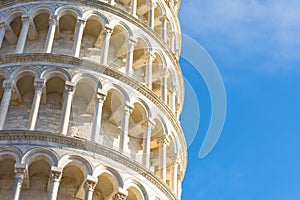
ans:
(38, 85)
(174, 176)
(96, 129)
(23, 35)
(78, 37)
(89, 187)
(55, 176)
(105, 45)
(163, 20)
(66, 111)
(133, 8)
(2, 33)
(50, 35)
(123, 146)
(129, 62)
(162, 140)
(151, 19)
(164, 90)
(148, 77)
(8, 89)
(20, 171)
(146, 143)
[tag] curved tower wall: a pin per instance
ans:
(90, 100)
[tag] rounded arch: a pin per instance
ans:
(36, 10)
(10, 16)
(108, 86)
(92, 13)
(158, 119)
(92, 80)
(23, 71)
(161, 8)
(11, 152)
(72, 10)
(145, 40)
(32, 154)
(145, 106)
(5, 74)
(131, 183)
(115, 23)
(61, 73)
(84, 164)
(99, 170)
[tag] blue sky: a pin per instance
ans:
(256, 46)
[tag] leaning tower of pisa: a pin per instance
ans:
(90, 100)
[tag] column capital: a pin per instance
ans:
(163, 18)
(7, 84)
(53, 19)
(132, 41)
(163, 139)
(90, 182)
(69, 86)
(150, 56)
(101, 95)
(55, 173)
(25, 18)
(20, 170)
(81, 21)
(39, 84)
(108, 29)
(119, 196)
(152, 3)
(2, 24)
(172, 33)
(129, 106)
(148, 123)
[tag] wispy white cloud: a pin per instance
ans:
(266, 27)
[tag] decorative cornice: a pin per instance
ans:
(33, 137)
(50, 59)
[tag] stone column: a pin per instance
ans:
(96, 129)
(20, 173)
(23, 35)
(38, 86)
(172, 41)
(8, 90)
(164, 91)
(133, 6)
(163, 20)
(124, 139)
(129, 62)
(162, 141)
(179, 182)
(152, 5)
(149, 61)
(119, 196)
(174, 174)
(173, 99)
(55, 176)
(51, 34)
(89, 187)
(105, 44)
(66, 111)
(148, 126)
(2, 32)
(78, 37)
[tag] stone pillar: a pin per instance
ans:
(38, 86)
(96, 129)
(8, 90)
(173, 99)
(129, 62)
(105, 44)
(163, 20)
(152, 5)
(172, 41)
(148, 125)
(177, 110)
(66, 111)
(119, 196)
(20, 173)
(149, 61)
(78, 37)
(124, 139)
(89, 187)
(179, 182)
(51, 34)
(23, 35)
(164, 89)
(162, 141)
(2, 32)
(55, 176)
(174, 174)
(133, 6)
